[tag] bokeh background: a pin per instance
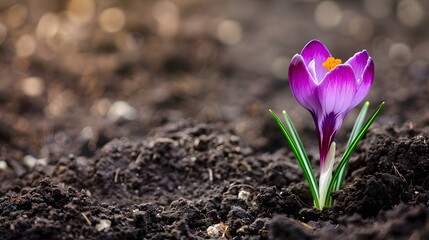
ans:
(90, 71)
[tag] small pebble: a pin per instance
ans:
(216, 230)
(3, 165)
(121, 109)
(243, 195)
(104, 225)
(31, 161)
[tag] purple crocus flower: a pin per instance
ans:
(328, 88)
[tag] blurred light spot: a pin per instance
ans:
(31, 161)
(361, 28)
(3, 165)
(280, 67)
(167, 15)
(61, 138)
(48, 26)
(121, 109)
(112, 20)
(101, 107)
(59, 102)
(241, 127)
(328, 14)
(64, 40)
(86, 133)
(81, 11)
(3, 33)
(16, 15)
(400, 54)
(410, 13)
(25, 46)
(229, 32)
(32, 86)
(378, 8)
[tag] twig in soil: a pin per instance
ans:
(87, 219)
(92, 144)
(225, 233)
(165, 140)
(117, 175)
(210, 175)
(242, 185)
(302, 202)
(306, 226)
(139, 157)
(397, 172)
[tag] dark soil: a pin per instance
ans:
(192, 152)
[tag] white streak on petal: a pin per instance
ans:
(312, 70)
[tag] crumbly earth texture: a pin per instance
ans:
(149, 120)
(198, 181)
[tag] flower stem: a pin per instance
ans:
(326, 176)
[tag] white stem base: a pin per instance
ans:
(326, 175)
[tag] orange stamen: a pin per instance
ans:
(331, 63)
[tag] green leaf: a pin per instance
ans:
(300, 146)
(300, 154)
(356, 128)
(345, 159)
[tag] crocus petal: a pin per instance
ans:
(338, 89)
(335, 93)
(302, 84)
(359, 62)
(365, 85)
(315, 50)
